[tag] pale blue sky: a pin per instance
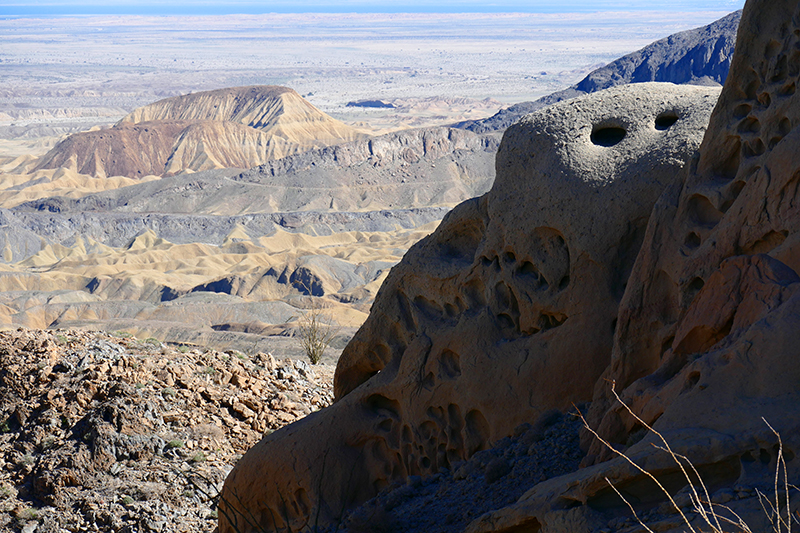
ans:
(218, 7)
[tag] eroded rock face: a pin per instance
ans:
(710, 323)
(238, 127)
(506, 311)
(701, 279)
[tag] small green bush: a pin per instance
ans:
(175, 444)
(199, 457)
(316, 331)
(28, 514)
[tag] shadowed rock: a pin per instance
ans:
(468, 333)
(708, 329)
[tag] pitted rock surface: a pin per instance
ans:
(706, 345)
(506, 311)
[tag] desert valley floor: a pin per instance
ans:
(375, 73)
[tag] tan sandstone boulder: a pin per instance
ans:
(709, 327)
(506, 311)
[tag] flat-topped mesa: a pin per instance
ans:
(505, 312)
(239, 127)
(276, 110)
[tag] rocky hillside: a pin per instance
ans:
(104, 432)
(701, 56)
(233, 249)
(240, 127)
(278, 111)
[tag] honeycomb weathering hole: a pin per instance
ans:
(666, 120)
(608, 136)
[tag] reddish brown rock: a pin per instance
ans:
(238, 127)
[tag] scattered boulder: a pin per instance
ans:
(106, 432)
(468, 332)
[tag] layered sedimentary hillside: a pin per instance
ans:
(241, 293)
(164, 148)
(278, 111)
(405, 170)
(228, 128)
(230, 249)
(514, 288)
(700, 56)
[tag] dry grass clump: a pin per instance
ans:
(777, 509)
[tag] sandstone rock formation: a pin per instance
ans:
(278, 111)
(239, 127)
(469, 333)
(701, 56)
(709, 326)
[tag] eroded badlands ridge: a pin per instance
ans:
(515, 286)
(239, 127)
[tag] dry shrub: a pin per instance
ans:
(317, 329)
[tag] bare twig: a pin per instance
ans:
(703, 506)
(640, 469)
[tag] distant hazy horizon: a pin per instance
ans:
(46, 8)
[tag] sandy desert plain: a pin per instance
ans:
(70, 74)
